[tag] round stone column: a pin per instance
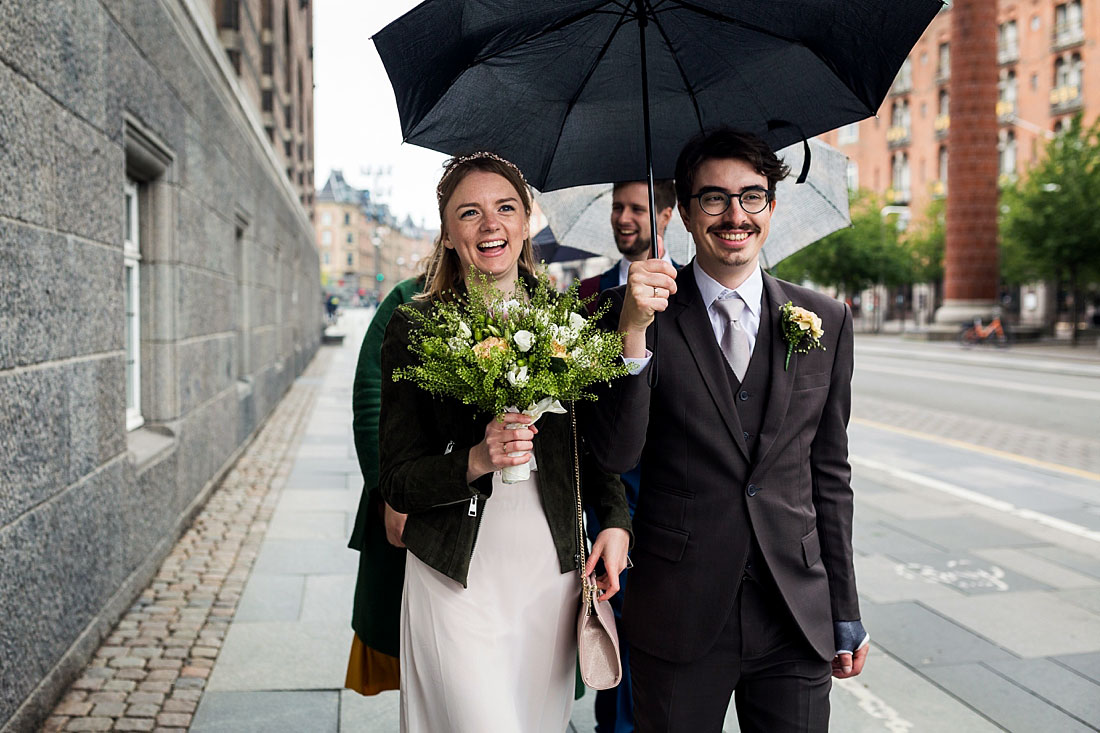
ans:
(971, 257)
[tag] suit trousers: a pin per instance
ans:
(779, 682)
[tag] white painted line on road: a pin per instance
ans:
(875, 706)
(1077, 394)
(1069, 366)
(979, 498)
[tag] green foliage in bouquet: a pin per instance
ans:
(495, 352)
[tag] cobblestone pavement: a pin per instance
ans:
(1082, 453)
(152, 668)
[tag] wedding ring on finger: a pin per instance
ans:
(656, 292)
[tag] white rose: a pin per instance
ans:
(464, 330)
(517, 376)
(523, 340)
(576, 320)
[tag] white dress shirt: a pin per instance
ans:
(751, 291)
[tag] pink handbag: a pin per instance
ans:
(597, 638)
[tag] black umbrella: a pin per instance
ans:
(549, 249)
(592, 91)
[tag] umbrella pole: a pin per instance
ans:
(643, 21)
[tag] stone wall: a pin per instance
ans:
(94, 92)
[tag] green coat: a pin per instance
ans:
(377, 610)
(424, 445)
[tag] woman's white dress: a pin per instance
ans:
(500, 655)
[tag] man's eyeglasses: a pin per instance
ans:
(715, 201)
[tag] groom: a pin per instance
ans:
(743, 578)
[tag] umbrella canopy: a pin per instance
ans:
(580, 217)
(557, 87)
(549, 249)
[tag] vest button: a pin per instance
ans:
(743, 396)
(747, 436)
(752, 490)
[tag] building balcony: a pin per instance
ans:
(1067, 36)
(942, 125)
(1066, 98)
(897, 196)
(901, 86)
(943, 74)
(897, 136)
(1008, 54)
(1006, 111)
(938, 189)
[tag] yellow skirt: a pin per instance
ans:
(370, 671)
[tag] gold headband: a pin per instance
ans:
(454, 163)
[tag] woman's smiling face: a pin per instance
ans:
(485, 224)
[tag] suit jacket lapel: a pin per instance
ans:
(782, 380)
(695, 325)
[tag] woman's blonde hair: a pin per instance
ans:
(443, 274)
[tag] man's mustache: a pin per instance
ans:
(716, 228)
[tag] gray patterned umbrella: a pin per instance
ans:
(580, 217)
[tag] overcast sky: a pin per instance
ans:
(355, 115)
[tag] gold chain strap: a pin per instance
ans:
(586, 589)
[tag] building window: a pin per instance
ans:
(325, 258)
(326, 236)
(1008, 43)
(943, 165)
(1068, 23)
(326, 218)
(848, 134)
(899, 178)
(351, 238)
(1006, 93)
(347, 218)
(1006, 153)
(351, 259)
(852, 174)
(943, 67)
(903, 82)
(131, 256)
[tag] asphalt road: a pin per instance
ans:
(1024, 387)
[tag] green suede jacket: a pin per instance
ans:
(376, 613)
(424, 445)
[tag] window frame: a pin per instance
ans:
(131, 253)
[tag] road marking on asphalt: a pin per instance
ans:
(979, 498)
(1077, 394)
(1033, 462)
(875, 706)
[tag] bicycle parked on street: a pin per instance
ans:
(971, 334)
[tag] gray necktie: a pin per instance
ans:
(735, 342)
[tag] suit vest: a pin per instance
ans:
(750, 399)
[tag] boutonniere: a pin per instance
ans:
(801, 330)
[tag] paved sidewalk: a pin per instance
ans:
(151, 671)
(981, 619)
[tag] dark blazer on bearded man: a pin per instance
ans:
(709, 486)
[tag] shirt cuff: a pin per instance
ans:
(637, 365)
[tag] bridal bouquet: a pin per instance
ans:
(506, 355)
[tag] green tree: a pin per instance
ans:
(926, 244)
(1049, 226)
(864, 254)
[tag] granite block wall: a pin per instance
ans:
(95, 91)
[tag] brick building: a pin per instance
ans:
(1044, 78)
(359, 239)
(270, 46)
